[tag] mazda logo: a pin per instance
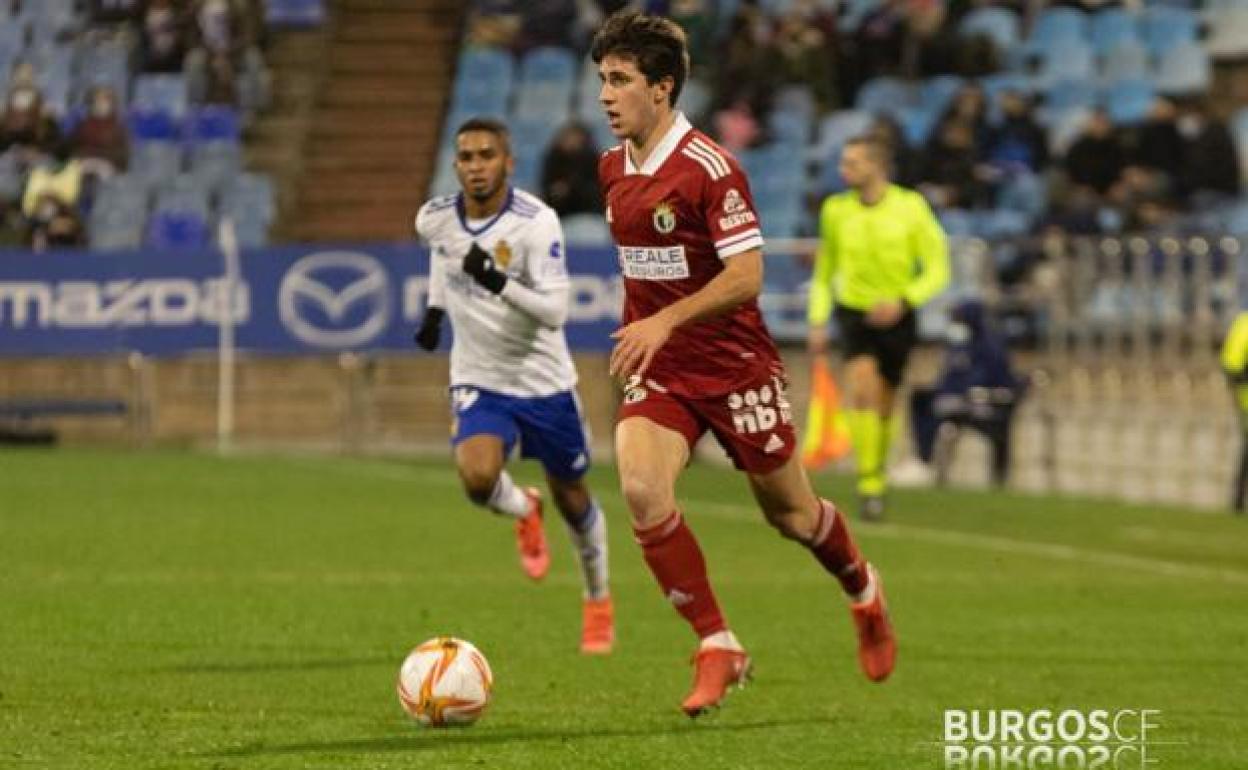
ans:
(335, 299)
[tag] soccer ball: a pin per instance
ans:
(445, 681)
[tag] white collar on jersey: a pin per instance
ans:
(665, 148)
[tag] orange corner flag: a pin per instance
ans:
(827, 431)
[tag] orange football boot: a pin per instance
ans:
(877, 647)
(531, 538)
(715, 670)
(597, 626)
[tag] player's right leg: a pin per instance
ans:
(484, 433)
(868, 428)
(650, 457)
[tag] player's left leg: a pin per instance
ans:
(587, 528)
(479, 459)
(790, 504)
(552, 431)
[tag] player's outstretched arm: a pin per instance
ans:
(636, 344)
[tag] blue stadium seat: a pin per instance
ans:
(796, 99)
(937, 92)
(165, 93)
(489, 64)
(695, 98)
(543, 102)
(1128, 101)
(112, 229)
(1228, 33)
(249, 194)
(215, 163)
(1239, 131)
(1000, 25)
(125, 192)
(1056, 25)
(838, 128)
(1112, 27)
(789, 126)
(548, 65)
(1065, 95)
(1184, 69)
(1125, 61)
(884, 95)
(214, 123)
(1164, 27)
(586, 230)
(153, 126)
(917, 124)
(11, 179)
(1066, 59)
(177, 230)
(480, 97)
(1024, 193)
(155, 161)
(295, 13)
(103, 63)
(184, 193)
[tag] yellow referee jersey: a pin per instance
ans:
(892, 250)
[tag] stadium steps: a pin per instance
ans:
(276, 139)
(368, 158)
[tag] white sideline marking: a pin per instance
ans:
(1000, 544)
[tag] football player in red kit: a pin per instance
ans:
(695, 354)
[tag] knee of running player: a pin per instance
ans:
(479, 478)
(649, 499)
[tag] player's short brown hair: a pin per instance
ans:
(489, 125)
(878, 148)
(656, 44)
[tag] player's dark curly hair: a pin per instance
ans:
(656, 44)
(489, 125)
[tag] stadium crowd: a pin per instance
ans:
(1011, 118)
(122, 120)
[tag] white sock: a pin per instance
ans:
(589, 540)
(507, 498)
(867, 594)
(723, 640)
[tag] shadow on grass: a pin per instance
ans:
(276, 666)
(441, 739)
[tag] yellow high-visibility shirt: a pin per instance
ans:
(892, 250)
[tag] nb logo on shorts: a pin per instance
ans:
(634, 390)
(463, 398)
(758, 410)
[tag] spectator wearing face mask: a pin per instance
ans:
(24, 127)
(101, 141)
(566, 184)
(162, 37)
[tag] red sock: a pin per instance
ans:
(674, 557)
(833, 546)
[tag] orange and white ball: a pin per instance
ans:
(445, 681)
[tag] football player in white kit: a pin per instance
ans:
(498, 270)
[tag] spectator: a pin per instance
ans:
(546, 23)
(60, 178)
(736, 128)
(101, 141)
(162, 37)
(50, 200)
(220, 83)
(1210, 167)
(114, 11)
(1018, 144)
(800, 55)
(25, 127)
(569, 184)
(880, 40)
(1096, 159)
(744, 71)
(12, 225)
(970, 105)
(948, 178)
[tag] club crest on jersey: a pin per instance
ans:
(664, 218)
(733, 202)
(502, 254)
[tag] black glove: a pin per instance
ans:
(480, 265)
(430, 329)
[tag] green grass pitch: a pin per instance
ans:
(178, 610)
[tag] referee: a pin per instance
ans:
(1235, 363)
(882, 254)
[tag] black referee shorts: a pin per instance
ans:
(889, 347)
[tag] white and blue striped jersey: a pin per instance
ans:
(511, 343)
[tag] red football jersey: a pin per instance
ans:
(673, 221)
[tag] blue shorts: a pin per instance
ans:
(549, 428)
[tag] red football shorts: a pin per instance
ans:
(754, 423)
